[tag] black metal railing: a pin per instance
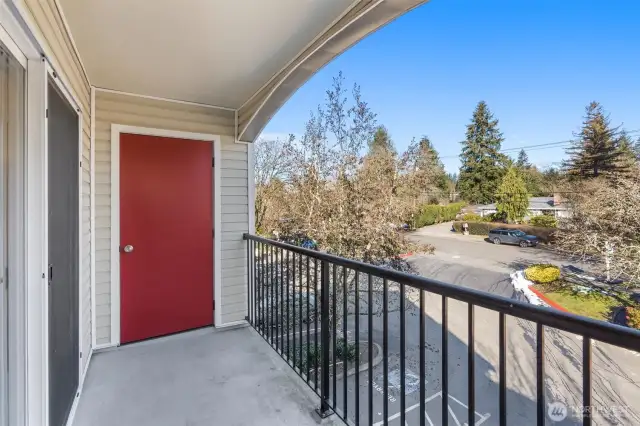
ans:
(394, 363)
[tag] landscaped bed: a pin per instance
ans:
(594, 305)
(580, 296)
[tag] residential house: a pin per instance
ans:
(551, 206)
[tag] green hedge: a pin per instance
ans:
(431, 214)
(544, 221)
(482, 228)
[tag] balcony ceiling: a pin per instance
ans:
(218, 52)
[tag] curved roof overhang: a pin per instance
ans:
(248, 56)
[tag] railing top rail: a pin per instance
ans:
(598, 330)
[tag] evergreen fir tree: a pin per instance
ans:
(482, 163)
(596, 151)
(512, 198)
(421, 155)
(523, 160)
(628, 154)
(381, 142)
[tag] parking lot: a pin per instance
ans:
(472, 262)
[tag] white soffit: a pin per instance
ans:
(216, 52)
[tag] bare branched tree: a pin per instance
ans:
(273, 163)
(605, 225)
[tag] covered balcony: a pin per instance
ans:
(139, 292)
(424, 353)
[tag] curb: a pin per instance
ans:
(405, 255)
(547, 300)
(364, 367)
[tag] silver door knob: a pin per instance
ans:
(128, 248)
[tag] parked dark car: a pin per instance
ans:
(512, 236)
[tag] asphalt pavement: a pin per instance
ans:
(471, 262)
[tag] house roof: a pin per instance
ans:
(249, 56)
(535, 203)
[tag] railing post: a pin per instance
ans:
(325, 408)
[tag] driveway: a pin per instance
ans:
(476, 251)
(471, 262)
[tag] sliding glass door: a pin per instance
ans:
(11, 141)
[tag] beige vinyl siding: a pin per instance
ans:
(50, 30)
(114, 108)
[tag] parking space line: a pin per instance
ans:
(483, 418)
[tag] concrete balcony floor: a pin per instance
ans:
(205, 377)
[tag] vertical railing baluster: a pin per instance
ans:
(344, 340)
(299, 296)
(370, 337)
(248, 316)
(261, 291)
(281, 285)
(293, 302)
(502, 343)
(471, 385)
(445, 361)
(325, 338)
(385, 349)
(403, 404)
(274, 301)
(308, 320)
(272, 306)
(357, 331)
(315, 320)
(423, 371)
(540, 374)
(333, 324)
(586, 381)
(253, 281)
(288, 330)
(253, 269)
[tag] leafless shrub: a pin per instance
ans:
(351, 204)
(605, 224)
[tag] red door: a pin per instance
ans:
(166, 242)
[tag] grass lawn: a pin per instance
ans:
(597, 306)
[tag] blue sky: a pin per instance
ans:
(536, 63)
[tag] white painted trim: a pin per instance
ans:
(16, 336)
(68, 96)
(369, 8)
(320, 34)
(64, 89)
(115, 236)
(8, 42)
(233, 324)
(11, 21)
(41, 45)
(235, 126)
(217, 233)
(73, 42)
(116, 130)
(83, 376)
(251, 184)
(99, 348)
(92, 219)
(36, 233)
(156, 98)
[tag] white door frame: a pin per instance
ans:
(52, 77)
(28, 404)
(116, 130)
(30, 381)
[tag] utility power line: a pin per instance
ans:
(536, 147)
